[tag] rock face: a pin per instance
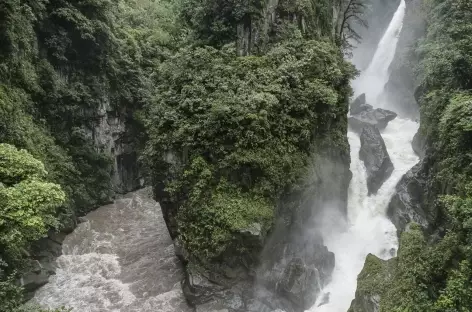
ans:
(114, 132)
(374, 154)
(419, 144)
(410, 200)
(378, 118)
(41, 264)
(285, 271)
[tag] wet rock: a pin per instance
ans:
(374, 154)
(409, 202)
(213, 306)
(378, 118)
(300, 283)
(197, 287)
(419, 144)
(359, 105)
(35, 277)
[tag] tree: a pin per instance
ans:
(351, 12)
(27, 202)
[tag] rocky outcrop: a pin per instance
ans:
(367, 116)
(374, 154)
(41, 261)
(371, 283)
(410, 202)
(359, 105)
(294, 264)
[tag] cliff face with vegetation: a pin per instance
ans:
(72, 74)
(235, 110)
(242, 135)
(433, 267)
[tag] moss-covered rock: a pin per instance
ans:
(374, 278)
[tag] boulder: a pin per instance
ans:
(197, 287)
(374, 154)
(409, 203)
(378, 118)
(359, 105)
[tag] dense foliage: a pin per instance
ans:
(64, 65)
(28, 206)
(229, 135)
(432, 273)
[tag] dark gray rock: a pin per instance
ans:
(197, 287)
(374, 154)
(419, 144)
(359, 105)
(300, 283)
(35, 277)
(378, 118)
(410, 200)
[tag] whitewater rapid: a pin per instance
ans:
(367, 229)
(120, 260)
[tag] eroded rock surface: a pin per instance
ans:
(375, 156)
(409, 202)
(378, 118)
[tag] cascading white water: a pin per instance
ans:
(368, 230)
(374, 78)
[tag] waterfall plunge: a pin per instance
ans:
(368, 230)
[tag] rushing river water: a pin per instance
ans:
(121, 259)
(368, 230)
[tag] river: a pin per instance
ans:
(121, 259)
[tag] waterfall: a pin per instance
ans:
(368, 230)
(373, 79)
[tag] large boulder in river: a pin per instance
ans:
(359, 105)
(378, 118)
(374, 154)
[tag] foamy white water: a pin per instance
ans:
(368, 230)
(121, 260)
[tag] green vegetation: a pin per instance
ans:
(27, 211)
(234, 98)
(63, 66)
(433, 272)
(230, 135)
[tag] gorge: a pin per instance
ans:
(262, 171)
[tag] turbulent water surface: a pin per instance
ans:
(368, 230)
(121, 259)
